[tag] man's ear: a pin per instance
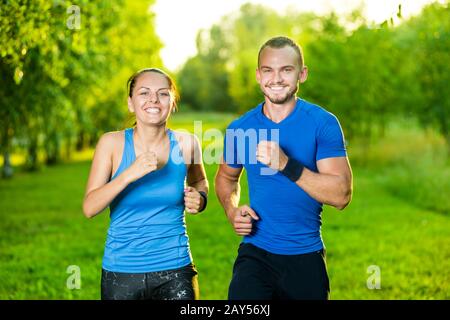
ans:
(258, 75)
(130, 105)
(303, 74)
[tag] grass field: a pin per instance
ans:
(43, 232)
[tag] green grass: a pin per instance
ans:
(43, 231)
(409, 244)
(410, 162)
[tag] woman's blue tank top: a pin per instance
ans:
(148, 229)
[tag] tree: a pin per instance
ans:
(56, 75)
(430, 44)
(204, 79)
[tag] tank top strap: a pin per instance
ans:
(175, 150)
(128, 154)
(129, 146)
(172, 138)
(128, 135)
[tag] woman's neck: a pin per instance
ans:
(150, 137)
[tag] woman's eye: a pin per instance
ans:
(143, 93)
(164, 94)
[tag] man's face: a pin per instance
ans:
(279, 72)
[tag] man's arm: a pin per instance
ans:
(228, 192)
(332, 185)
(227, 186)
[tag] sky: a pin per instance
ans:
(178, 21)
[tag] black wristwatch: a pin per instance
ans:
(293, 169)
(205, 200)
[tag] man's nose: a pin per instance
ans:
(277, 77)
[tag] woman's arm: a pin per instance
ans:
(100, 192)
(196, 178)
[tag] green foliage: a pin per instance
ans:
(29, 22)
(203, 80)
(61, 82)
(429, 41)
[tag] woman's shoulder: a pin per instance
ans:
(185, 137)
(111, 139)
(187, 140)
(182, 134)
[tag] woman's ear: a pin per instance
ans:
(130, 105)
(173, 105)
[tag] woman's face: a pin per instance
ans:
(151, 100)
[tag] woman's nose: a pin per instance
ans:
(153, 97)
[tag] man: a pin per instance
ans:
(296, 161)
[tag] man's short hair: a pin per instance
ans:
(281, 42)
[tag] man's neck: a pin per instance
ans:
(278, 112)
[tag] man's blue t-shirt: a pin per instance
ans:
(290, 219)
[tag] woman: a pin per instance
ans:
(140, 174)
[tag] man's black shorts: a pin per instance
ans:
(259, 274)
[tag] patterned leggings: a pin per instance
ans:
(177, 284)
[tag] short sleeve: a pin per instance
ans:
(330, 140)
(230, 150)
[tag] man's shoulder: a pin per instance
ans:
(245, 119)
(317, 113)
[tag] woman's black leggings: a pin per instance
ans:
(177, 284)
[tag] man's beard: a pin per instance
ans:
(282, 99)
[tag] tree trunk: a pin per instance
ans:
(7, 170)
(382, 128)
(68, 147)
(447, 139)
(80, 141)
(32, 157)
(52, 149)
(445, 130)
